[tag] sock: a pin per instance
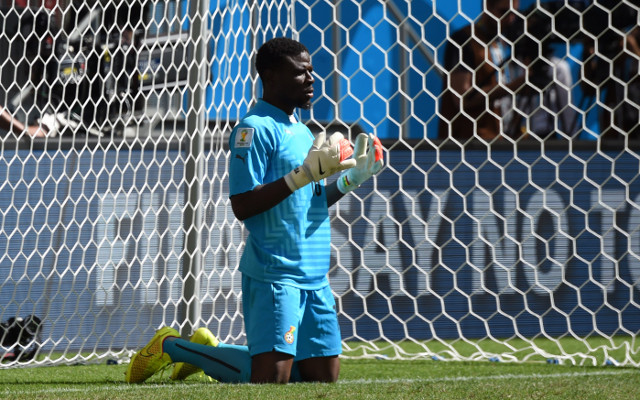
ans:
(226, 363)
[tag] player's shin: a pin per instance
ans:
(225, 362)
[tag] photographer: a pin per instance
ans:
(611, 65)
(624, 100)
(10, 124)
(477, 96)
(543, 106)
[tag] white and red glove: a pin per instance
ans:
(324, 159)
(51, 124)
(369, 159)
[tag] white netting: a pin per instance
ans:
(504, 226)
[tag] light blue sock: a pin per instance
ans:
(226, 363)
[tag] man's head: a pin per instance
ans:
(500, 8)
(284, 66)
(498, 14)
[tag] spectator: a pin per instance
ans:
(611, 67)
(477, 93)
(11, 124)
(622, 116)
(543, 104)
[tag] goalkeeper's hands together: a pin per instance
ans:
(369, 159)
(325, 158)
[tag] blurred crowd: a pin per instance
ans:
(557, 69)
(508, 75)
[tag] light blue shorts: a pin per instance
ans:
(303, 323)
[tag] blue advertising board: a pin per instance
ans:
(450, 243)
(490, 242)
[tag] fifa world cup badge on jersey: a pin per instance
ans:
(244, 137)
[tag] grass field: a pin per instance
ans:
(360, 379)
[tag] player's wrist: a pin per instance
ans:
(296, 179)
(346, 184)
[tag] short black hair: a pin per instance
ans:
(272, 53)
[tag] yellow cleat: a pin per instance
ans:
(182, 371)
(150, 359)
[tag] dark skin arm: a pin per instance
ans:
(8, 123)
(333, 194)
(267, 196)
(461, 84)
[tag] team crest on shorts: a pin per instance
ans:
(288, 337)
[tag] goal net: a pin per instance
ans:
(505, 225)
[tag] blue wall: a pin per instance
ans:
(365, 86)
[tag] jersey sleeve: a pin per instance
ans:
(250, 149)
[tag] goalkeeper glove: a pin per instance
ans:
(369, 161)
(324, 159)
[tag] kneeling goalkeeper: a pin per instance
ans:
(276, 182)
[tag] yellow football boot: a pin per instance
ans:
(183, 370)
(150, 359)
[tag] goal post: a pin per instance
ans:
(515, 249)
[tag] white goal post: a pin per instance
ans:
(523, 247)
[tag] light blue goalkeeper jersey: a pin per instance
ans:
(290, 243)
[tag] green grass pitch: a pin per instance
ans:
(360, 379)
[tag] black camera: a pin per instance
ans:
(20, 338)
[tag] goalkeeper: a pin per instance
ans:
(276, 182)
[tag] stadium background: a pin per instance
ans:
(97, 250)
(367, 87)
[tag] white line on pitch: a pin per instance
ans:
(489, 377)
